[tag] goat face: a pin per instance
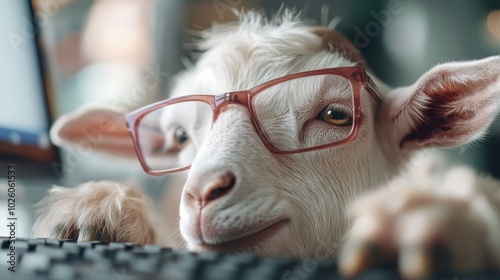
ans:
(241, 197)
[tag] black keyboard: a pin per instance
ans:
(95, 260)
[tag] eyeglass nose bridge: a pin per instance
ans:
(234, 97)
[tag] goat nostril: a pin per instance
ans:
(219, 191)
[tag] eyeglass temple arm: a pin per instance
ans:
(372, 88)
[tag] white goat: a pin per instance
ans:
(300, 204)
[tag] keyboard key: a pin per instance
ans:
(123, 246)
(210, 256)
(74, 253)
(222, 271)
(94, 274)
(124, 257)
(172, 271)
(22, 247)
(5, 244)
(262, 273)
(62, 272)
(53, 253)
(38, 262)
(243, 258)
(285, 261)
(144, 265)
(103, 264)
(55, 242)
(37, 241)
(90, 244)
(92, 255)
(156, 249)
(106, 251)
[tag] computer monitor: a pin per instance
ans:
(25, 114)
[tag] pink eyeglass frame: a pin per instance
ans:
(357, 77)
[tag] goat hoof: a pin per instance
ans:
(101, 211)
(63, 231)
(420, 231)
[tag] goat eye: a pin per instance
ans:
(335, 115)
(181, 136)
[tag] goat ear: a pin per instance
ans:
(451, 105)
(100, 128)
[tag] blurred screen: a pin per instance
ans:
(23, 119)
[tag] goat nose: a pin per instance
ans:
(220, 188)
(212, 189)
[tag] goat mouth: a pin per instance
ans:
(246, 241)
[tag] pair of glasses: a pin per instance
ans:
(297, 113)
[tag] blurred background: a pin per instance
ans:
(104, 51)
